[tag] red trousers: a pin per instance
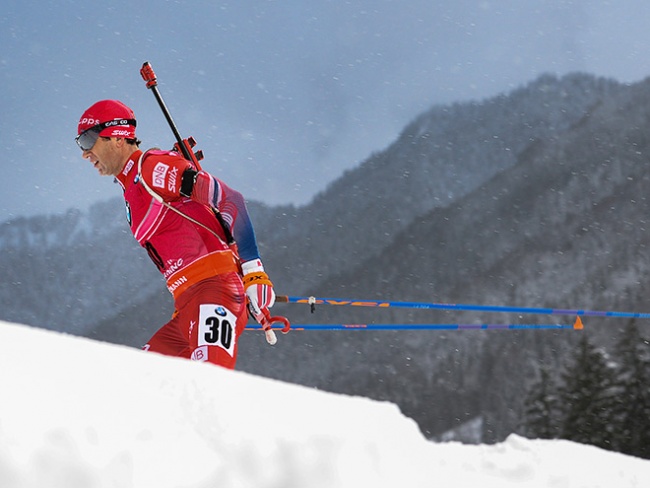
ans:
(209, 318)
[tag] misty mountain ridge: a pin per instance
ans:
(443, 155)
(531, 198)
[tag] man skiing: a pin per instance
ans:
(188, 221)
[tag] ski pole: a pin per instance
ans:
(313, 301)
(184, 146)
(576, 326)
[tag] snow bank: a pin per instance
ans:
(76, 413)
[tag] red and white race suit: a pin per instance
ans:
(187, 243)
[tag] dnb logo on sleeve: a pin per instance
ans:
(216, 328)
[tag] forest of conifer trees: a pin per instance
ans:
(596, 398)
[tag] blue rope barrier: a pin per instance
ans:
(313, 301)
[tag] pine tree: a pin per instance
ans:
(542, 408)
(587, 397)
(631, 413)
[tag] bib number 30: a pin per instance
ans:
(217, 327)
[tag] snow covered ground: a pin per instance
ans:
(76, 413)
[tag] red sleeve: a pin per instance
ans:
(162, 171)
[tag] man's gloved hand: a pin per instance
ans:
(259, 289)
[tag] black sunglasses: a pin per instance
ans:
(87, 139)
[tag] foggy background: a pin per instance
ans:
(282, 96)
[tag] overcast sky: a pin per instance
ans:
(282, 95)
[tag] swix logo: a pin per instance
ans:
(159, 174)
(118, 132)
(171, 185)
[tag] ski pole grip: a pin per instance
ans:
(267, 326)
(148, 75)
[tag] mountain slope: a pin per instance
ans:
(566, 227)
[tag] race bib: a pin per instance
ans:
(217, 328)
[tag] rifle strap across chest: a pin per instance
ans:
(230, 241)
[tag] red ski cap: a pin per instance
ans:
(106, 111)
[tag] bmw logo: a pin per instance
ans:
(128, 213)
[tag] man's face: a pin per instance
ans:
(106, 155)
